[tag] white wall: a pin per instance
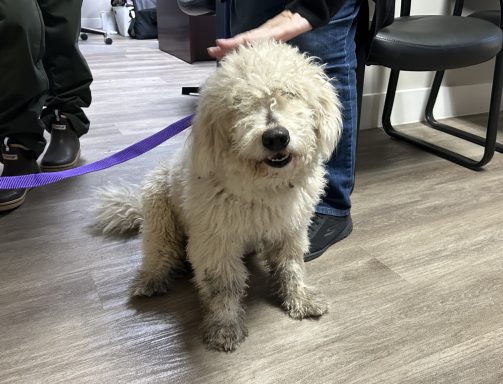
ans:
(91, 10)
(464, 91)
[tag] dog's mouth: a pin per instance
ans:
(278, 160)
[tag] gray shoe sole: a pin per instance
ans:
(341, 236)
(9, 206)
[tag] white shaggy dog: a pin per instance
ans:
(247, 180)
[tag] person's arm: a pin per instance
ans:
(282, 27)
(298, 17)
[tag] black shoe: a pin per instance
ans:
(64, 149)
(325, 231)
(17, 160)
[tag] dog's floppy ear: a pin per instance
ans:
(327, 118)
(208, 138)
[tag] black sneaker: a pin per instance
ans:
(17, 160)
(325, 231)
(64, 149)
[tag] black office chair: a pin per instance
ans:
(85, 31)
(494, 16)
(438, 43)
(219, 8)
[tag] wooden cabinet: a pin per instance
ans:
(183, 36)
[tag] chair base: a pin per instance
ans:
(445, 153)
(459, 133)
(489, 142)
(84, 31)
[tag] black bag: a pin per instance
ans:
(144, 23)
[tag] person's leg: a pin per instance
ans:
(334, 44)
(23, 86)
(23, 82)
(69, 78)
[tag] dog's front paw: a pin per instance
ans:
(308, 303)
(146, 284)
(224, 337)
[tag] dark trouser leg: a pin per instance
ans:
(68, 73)
(23, 82)
(249, 14)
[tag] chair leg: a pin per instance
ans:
(388, 103)
(432, 99)
(433, 123)
(489, 142)
(190, 90)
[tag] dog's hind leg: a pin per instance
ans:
(163, 245)
(220, 276)
(285, 260)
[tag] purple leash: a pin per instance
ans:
(135, 150)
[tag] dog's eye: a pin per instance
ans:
(288, 94)
(236, 100)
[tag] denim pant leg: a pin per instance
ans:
(334, 44)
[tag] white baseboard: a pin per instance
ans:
(94, 22)
(409, 104)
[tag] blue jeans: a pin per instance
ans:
(334, 44)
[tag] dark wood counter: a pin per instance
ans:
(183, 36)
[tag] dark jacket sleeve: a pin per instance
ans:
(317, 12)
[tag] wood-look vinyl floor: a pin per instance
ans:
(416, 292)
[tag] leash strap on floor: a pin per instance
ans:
(135, 150)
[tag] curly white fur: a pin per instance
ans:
(120, 209)
(221, 198)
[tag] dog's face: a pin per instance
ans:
(267, 108)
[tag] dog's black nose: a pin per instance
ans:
(276, 139)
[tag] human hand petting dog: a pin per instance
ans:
(282, 27)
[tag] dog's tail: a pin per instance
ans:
(119, 210)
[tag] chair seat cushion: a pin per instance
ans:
(197, 7)
(428, 43)
(492, 16)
